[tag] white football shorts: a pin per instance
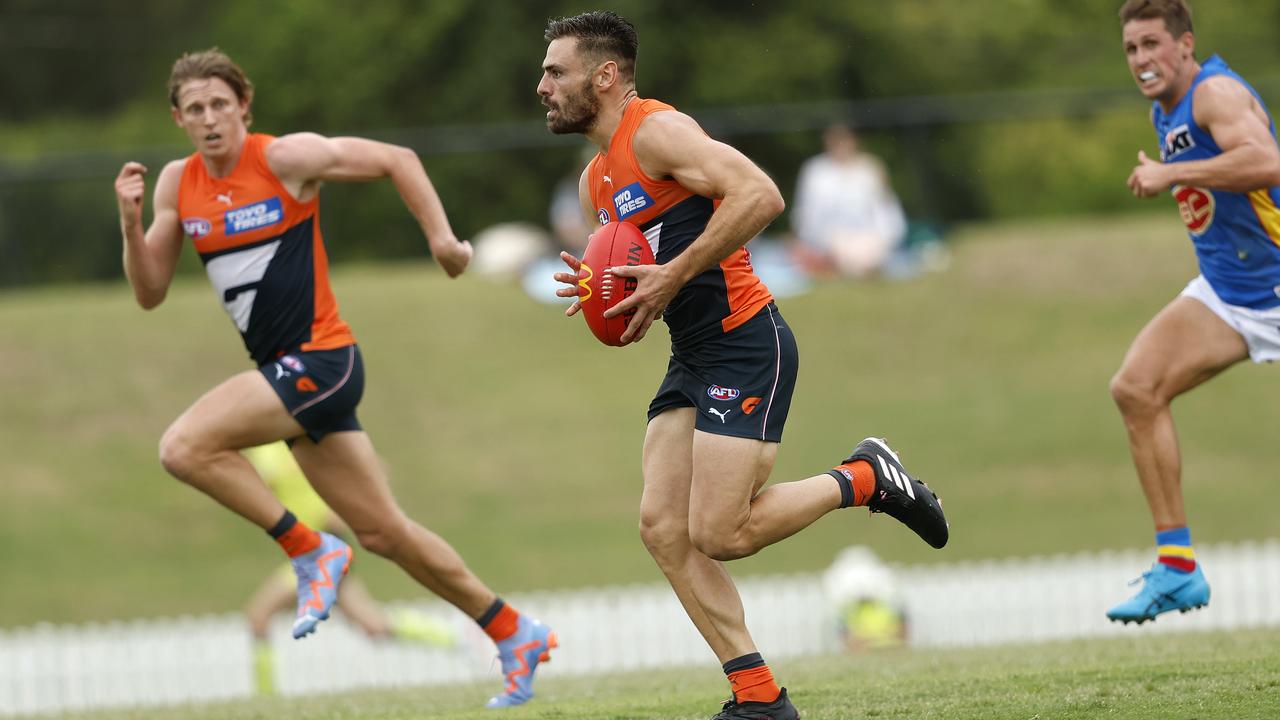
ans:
(1259, 328)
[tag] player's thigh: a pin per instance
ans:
(1184, 345)
(727, 472)
(347, 473)
(668, 467)
(241, 412)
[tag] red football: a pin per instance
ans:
(614, 245)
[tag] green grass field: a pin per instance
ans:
(511, 432)
(1225, 676)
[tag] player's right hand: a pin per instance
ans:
(571, 280)
(131, 185)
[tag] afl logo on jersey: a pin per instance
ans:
(603, 216)
(1196, 207)
(196, 227)
(723, 394)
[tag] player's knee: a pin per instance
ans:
(1132, 395)
(663, 535)
(178, 454)
(721, 545)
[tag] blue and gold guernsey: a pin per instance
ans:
(1236, 235)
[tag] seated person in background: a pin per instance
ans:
(862, 594)
(846, 218)
(278, 591)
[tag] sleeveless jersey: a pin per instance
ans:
(671, 217)
(1236, 235)
(263, 253)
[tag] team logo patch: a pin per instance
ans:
(196, 227)
(293, 364)
(603, 216)
(306, 384)
(722, 394)
(749, 405)
(1177, 141)
(631, 200)
(1196, 207)
(254, 216)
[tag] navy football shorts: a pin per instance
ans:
(739, 382)
(320, 388)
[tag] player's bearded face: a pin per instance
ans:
(576, 113)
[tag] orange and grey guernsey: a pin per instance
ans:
(671, 217)
(264, 255)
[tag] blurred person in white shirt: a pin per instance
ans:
(846, 219)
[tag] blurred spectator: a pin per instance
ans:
(569, 232)
(507, 249)
(280, 471)
(846, 218)
(862, 595)
(569, 228)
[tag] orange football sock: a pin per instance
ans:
(859, 479)
(754, 685)
(294, 536)
(500, 621)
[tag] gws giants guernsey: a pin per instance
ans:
(671, 217)
(264, 255)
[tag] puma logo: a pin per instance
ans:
(281, 372)
(225, 197)
(608, 179)
(719, 414)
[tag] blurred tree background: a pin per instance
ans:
(983, 109)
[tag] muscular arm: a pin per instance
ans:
(150, 257)
(670, 144)
(303, 161)
(1250, 158)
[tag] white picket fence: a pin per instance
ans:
(49, 669)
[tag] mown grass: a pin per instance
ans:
(1218, 676)
(511, 432)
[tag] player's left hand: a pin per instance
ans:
(1148, 179)
(570, 279)
(655, 286)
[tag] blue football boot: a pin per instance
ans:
(1163, 589)
(520, 654)
(319, 573)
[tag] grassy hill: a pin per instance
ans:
(515, 435)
